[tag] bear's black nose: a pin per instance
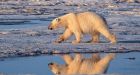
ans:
(50, 64)
(50, 28)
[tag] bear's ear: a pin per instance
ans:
(58, 19)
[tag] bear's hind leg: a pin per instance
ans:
(95, 57)
(95, 37)
(102, 65)
(64, 36)
(113, 39)
(104, 31)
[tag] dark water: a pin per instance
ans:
(20, 24)
(123, 63)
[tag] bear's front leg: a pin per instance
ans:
(67, 58)
(64, 36)
(78, 38)
(60, 39)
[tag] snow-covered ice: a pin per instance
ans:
(123, 19)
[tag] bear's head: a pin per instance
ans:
(57, 69)
(55, 23)
(54, 68)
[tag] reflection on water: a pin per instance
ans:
(123, 64)
(81, 65)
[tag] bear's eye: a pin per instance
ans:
(58, 19)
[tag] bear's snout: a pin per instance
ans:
(50, 27)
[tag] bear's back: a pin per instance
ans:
(89, 21)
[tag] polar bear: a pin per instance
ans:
(80, 65)
(82, 23)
